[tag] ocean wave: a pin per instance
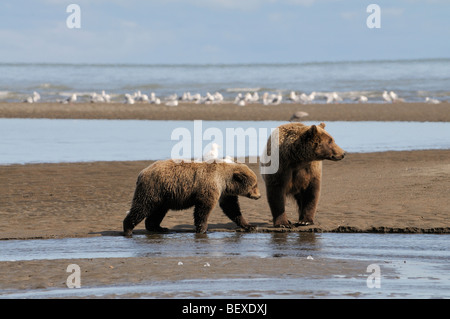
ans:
(49, 86)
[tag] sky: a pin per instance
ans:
(222, 31)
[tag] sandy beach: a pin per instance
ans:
(226, 111)
(401, 192)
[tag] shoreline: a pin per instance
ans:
(386, 192)
(422, 112)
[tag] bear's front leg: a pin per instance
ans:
(277, 200)
(230, 206)
(201, 214)
(307, 202)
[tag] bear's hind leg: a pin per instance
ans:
(154, 219)
(230, 206)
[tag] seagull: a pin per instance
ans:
(255, 97)
(432, 101)
(297, 116)
(333, 97)
(141, 97)
(277, 99)
(106, 97)
(212, 154)
(32, 99)
(240, 100)
(172, 103)
(387, 97)
(307, 98)
(293, 97)
(129, 99)
(72, 98)
(36, 96)
(237, 98)
(96, 98)
(228, 159)
(393, 96)
(363, 99)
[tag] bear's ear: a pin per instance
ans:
(239, 177)
(312, 131)
(322, 125)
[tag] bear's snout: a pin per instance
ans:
(338, 157)
(254, 194)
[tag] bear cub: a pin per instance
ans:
(301, 149)
(180, 185)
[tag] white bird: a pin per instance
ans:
(387, 97)
(152, 97)
(36, 96)
(139, 97)
(72, 98)
(362, 99)
(241, 103)
(32, 99)
(95, 98)
(293, 96)
(304, 98)
(196, 97)
(228, 159)
(432, 101)
(218, 97)
(266, 99)
(277, 99)
(106, 97)
(248, 97)
(172, 103)
(128, 99)
(212, 154)
(237, 98)
(333, 97)
(297, 116)
(393, 96)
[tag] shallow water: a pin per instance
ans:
(418, 264)
(50, 141)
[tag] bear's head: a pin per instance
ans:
(243, 182)
(323, 144)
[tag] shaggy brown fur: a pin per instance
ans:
(168, 185)
(301, 151)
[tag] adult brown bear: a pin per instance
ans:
(180, 185)
(301, 150)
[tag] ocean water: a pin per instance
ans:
(409, 265)
(412, 80)
(48, 141)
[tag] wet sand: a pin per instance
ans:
(374, 192)
(251, 112)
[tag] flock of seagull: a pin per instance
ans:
(241, 99)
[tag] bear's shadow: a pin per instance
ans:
(182, 228)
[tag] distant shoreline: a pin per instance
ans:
(421, 112)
